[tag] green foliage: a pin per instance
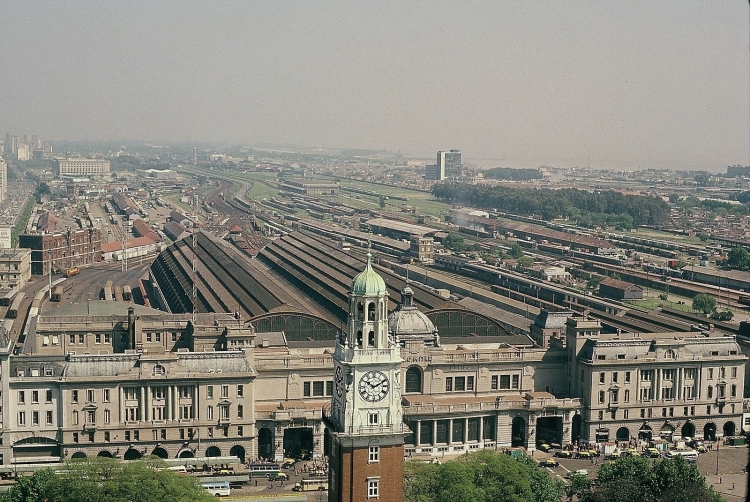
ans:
(508, 173)
(484, 476)
(22, 221)
(704, 303)
(124, 163)
(602, 208)
(108, 480)
(738, 258)
(515, 251)
(702, 179)
(703, 237)
(455, 243)
(726, 315)
(525, 261)
(636, 479)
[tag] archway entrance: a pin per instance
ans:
(549, 430)
(709, 432)
(666, 432)
(518, 432)
(414, 379)
(104, 453)
(78, 454)
(265, 443)
(728, 429)
(298, 442)
(575, 431)
(239, 452)
(160, 452)
(132, 454)
(688, 430)
(186, 454)
(623, 434)
(645, 432)
(213, 451)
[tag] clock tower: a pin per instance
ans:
(364, 422)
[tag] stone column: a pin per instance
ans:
(481, 429)
(434, 432)
(175, 402)
(418, 433)
(466, 430)
(168, 404)
(142, 404)
(450, 431)
(121, 395)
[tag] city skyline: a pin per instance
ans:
(609, 85)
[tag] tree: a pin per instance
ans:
(382, 202)
(107, 480)
(636, 479)
(515, 251)
(483, 476)
(738, 258)
(455, 242)
(704, 303)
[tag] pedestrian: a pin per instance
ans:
(732, 486)
(719, 479)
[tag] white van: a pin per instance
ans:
(688, 455)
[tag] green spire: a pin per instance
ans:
(368, 282)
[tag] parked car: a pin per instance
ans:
(652, 453)
(282, 476)
(579, 472)
(584, 454)
(563, 454)
(545, 447)
(549, 462)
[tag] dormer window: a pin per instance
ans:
(670, 354)
(159, 370)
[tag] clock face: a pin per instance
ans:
(374, 386)
(339, 378)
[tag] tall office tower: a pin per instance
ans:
(449, 163)
(3, 180)
(14, 145)
(26, 140)
(35, 143)
(195, 155)
(6, 145)
(435, 171)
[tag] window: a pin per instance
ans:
(163, 434)
(186, 411)
(186, 392)
(734, 372)
(329, 388)
(614, 377)
(615, 396)
(627, 377)
(210, 391)
(710, 374)
(75, 437)
(373, 490)
(131, 394)
(225, 391)
(21, 397)
(21, 418)
(91, 417)
(240, 391)
(374, 454)
(72, 339)
(157, 337)
(90, 396)
(306, 389)
(98, 338)
(470, 383)
(34, 396)
(35, 418)
(625, 414)
(372, 419)
(601, 396)
(627, 395)
(136, 435)
(601, 415)
(148, 337)
(493, 382)
(240, 411)
(317, 389)
(75, 396)
(159, 370)
(49, 417)
(515, 384)
(460, 384)
(710, 392)
(505, 381)
(601, 377)
(240, 431)
(448, 384)
(48, 372)
(210, 413)
(733, 391)
(80, 339)
(75, 417)
(105, 395)
(106, 416)
(722, 372)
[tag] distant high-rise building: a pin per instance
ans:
(35, 143)
(6, 145)
(449, 163)
(14, 145)
(434, 172)
(195, 155)
(23, 152)
(3, 180)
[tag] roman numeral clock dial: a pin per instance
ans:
(374, 386)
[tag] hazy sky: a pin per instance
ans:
(511, 83)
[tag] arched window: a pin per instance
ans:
(370, 311)
(359, 339)
(360, 310)
(670, 354)
(159, 370)
(371, 339)
(414, 379)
